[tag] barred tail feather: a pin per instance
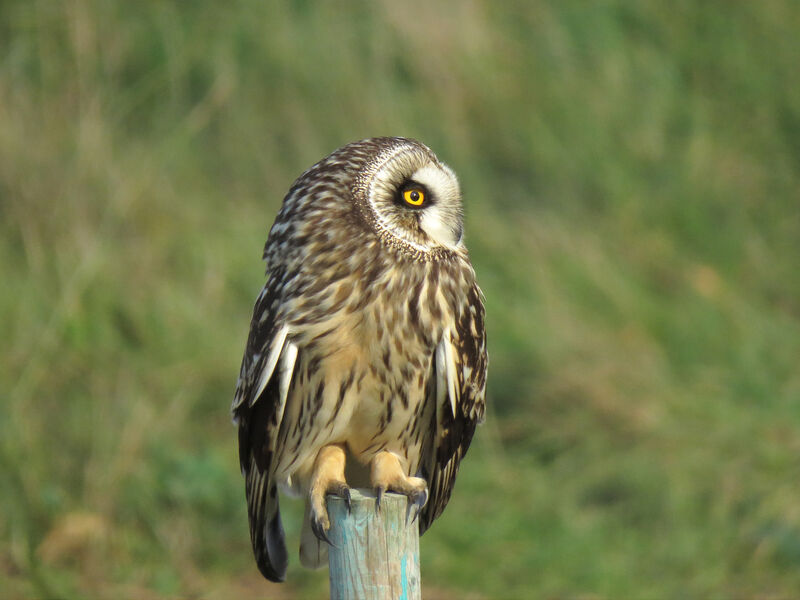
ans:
(266, 528)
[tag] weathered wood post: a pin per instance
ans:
(375, 554)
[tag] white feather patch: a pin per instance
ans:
(288, 358)
(447, 380)
(269, 364)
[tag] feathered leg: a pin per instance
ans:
(327, 477)
(387, 474)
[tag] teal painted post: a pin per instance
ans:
(375, 555)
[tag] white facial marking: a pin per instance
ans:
(383, 188)
(442, 219)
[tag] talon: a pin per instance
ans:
(423, 500)
(378, 495)
(387, 472)
(341, 490)
(347, 500)
(320, 532)
(416, 501)
(417, 514)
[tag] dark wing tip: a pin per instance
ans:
(269, 547)
(267, 571)
(266, 529)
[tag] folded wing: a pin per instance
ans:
(258, 408)
(458, 390)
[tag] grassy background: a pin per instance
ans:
(631, 176)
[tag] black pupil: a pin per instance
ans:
(415, 196)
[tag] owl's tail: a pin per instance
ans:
(313, 552)
(266, 529)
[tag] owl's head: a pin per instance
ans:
(409, 197)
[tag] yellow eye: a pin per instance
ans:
(414, 197)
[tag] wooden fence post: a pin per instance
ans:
(375, 555)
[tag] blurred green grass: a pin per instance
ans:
(631, 176)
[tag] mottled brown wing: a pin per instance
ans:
(458, 389)
(258, 407)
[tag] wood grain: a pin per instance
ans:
(375, 554)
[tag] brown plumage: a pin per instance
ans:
(366, 360)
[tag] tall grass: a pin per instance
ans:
(631, 176)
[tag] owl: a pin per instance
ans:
(366, 361)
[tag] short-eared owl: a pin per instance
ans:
(367, 345)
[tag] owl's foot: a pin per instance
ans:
(387, 474)
(326, 478)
